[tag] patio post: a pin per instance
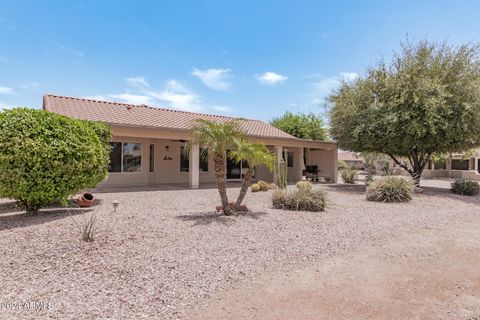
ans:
(300, 163)
(475, 164)
(193, 168)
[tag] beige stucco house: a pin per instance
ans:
(148, 142)
(455, 166)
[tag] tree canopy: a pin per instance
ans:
(301, 125)
(426, 101)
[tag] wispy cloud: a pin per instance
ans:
(6, 90)
(30, 85)
(215, 79)
(132, 98)
(323, 86)
(271, 78)
(2, 58)
(70, 51)
(224, 109)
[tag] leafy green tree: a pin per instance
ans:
(301, 125)
(425, 102)
(216, 138)
(255, 155)
(46, 157)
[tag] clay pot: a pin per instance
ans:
(85, 200)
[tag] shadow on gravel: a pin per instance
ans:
(203, 219)
(20, 220)
(347, 188)
(446, 193)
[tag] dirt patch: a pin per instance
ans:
(422, 274)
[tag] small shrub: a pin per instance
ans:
(465, 187)
(272, 186)
(255, 187)
(342, 165)
(304, 185)
(263, 185)
(390, 189)
(313, 200)
(349, 175)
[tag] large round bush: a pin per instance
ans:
(46, 157)
(465, 187)
(391, 189)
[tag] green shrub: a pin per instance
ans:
(465, 187)
(342, 165)
(313, 200)
(349, 175)
(390, 189)
(46, 157)
(263, 185)
(255, 187)
(304, 185)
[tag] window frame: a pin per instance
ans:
(182, 154)
(122, 156)
(151, 158)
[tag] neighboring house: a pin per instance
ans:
(455, 167)
(352, 159)
(148, 144)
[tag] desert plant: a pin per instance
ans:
(465, 187)
(217, 138)
(312, 200)
(272, 186)
(282, 172)
(263, 185)
(255, 187)
(46, 157)
(342, 165)
(87, 226)
(349, 175)
(391, 189)
(304, 185)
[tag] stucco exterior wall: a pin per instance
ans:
(326, 160)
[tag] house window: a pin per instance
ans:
(458, 164)
(125, 157)
(152, 158)
(185, 160)
(290, 159)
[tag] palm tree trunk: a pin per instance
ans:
(243, 190)
(220, 164)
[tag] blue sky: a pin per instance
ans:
(254, 59)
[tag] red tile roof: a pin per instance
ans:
(349, 156)
(123, 114)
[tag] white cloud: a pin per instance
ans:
(70, 51)
(179, 97)
(6, 90)
(137, 82)
(30, 85)
(215, 79)
(3, 59)
(324, 86)
(132, 98)
(271, 78)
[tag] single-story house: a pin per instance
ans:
(148, 143)
(455, 166)
(352, 159)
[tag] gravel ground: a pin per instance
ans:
(165, 252)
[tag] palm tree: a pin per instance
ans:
(216, 138)
(255, 155)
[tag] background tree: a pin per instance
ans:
(45, 157)
(426, 101)
(301, 125)
(255, 155)
(216, 139)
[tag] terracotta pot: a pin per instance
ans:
(85, 200)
